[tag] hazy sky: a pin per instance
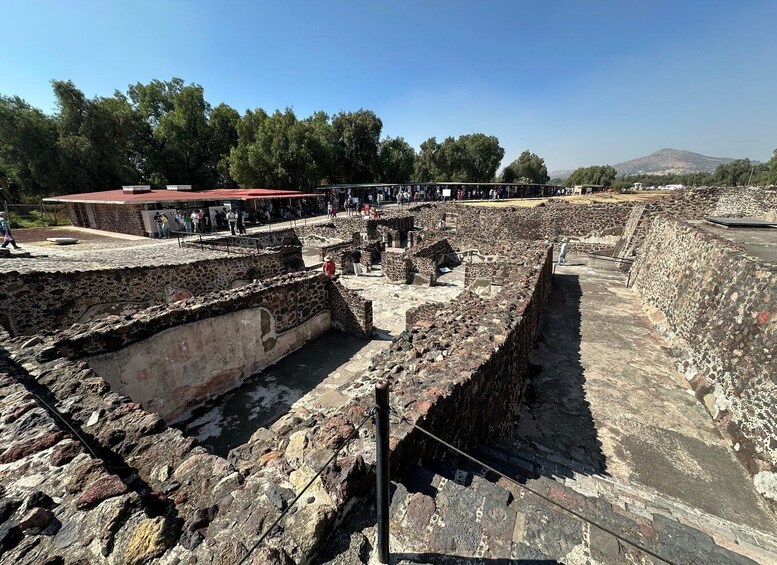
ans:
(579, 83)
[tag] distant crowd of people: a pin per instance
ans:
(202, 221)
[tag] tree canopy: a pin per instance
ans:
(602, 175)
(166, 132)
(468, 158)
(527, 167)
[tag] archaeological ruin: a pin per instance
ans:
(211, 401)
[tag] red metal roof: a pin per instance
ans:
(162, 195)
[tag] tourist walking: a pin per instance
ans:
(5, 229)
(356, 257)
(329, 266)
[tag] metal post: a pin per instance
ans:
(382, 468)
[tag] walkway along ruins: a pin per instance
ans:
(484, 346)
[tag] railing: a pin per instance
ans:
(383, 413)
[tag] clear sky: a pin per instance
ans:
(577, 82)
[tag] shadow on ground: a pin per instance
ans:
(556, 416)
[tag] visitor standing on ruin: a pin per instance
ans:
(562, 256)
(5, 230)
(356, 257)
(329, 210)
(329, 266)
(232, 219)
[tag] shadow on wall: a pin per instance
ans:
(556, 417)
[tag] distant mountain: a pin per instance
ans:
(562, 174)
(671, 161)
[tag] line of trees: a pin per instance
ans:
(165, 132)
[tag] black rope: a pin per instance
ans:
(539, 494)
(307, 486)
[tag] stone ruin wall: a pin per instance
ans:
(118, 218)
(250, 243)
(591, 227)
(149, 492)
(174, 357)
(54, 300)
(747, 202)
(717, 308)
(351, 314)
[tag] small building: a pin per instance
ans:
(131, 209)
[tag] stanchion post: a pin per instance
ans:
(382, 468)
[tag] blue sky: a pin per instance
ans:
(578, 83)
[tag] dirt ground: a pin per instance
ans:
(588, 199)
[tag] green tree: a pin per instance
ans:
(396, 159)
(740, 172)
(603, 175)
(281, 151)
(772, 176)
(356, 144)
(223, 122)
(425, 168)
(527, 166)
(28, 147)
(470, 158)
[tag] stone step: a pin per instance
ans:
(569, 480)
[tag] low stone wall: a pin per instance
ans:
(716, 308)
(55, 300)
(396, 267)
(747, 202)
(350, 313)
(497, 272)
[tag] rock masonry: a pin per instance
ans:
(716, 307)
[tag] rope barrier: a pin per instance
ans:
(307, 486)
(537, 493)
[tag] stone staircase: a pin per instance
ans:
(455, 513)
(674, 530)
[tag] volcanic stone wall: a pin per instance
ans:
(594, 226)
(157, 495)
(109, 217)
(717, 308)
(54, 300)
(397, 268)
(351, 314)
(741, 202)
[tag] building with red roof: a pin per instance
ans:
(131, 209)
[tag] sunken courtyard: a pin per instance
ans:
(212, 402)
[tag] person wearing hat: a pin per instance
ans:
(329, 266)
(5, 230)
